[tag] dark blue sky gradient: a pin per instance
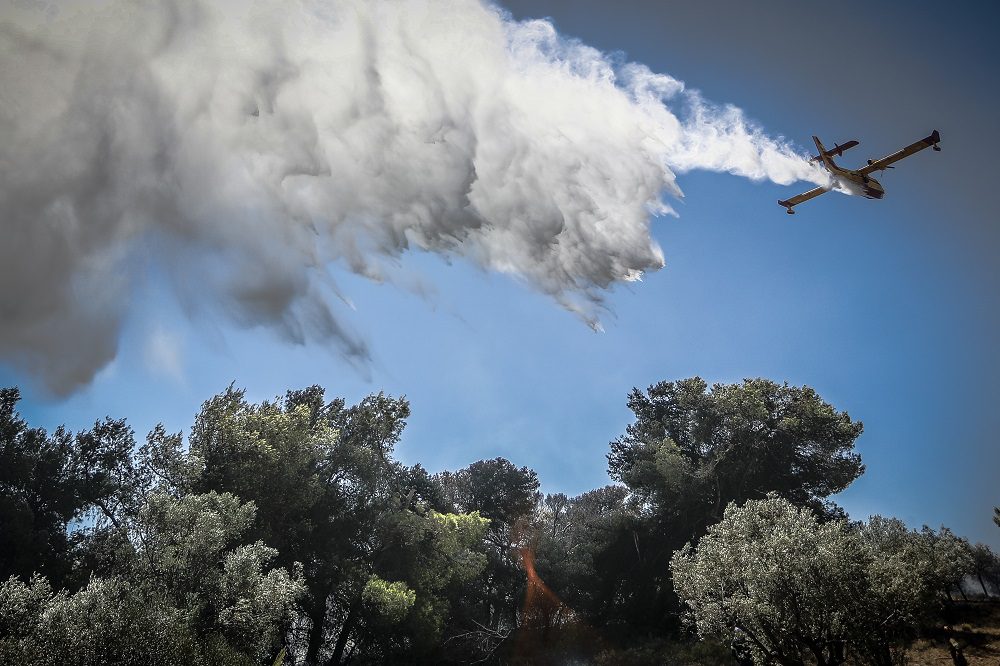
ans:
(888, 308)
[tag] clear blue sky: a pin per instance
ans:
(888, 308)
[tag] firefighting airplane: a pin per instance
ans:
(857, 181)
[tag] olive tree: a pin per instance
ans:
(789, 588)
(771, 576)
(986, 567)
(190, 591)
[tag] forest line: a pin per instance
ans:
(286, 532)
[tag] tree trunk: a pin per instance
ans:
(883, 655)
(316, 634)
(827, 653)
(982, 583)
(957, 656)
(345, 631)
(837, 653)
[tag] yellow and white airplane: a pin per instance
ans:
(857, 181)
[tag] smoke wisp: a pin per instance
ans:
(245, 148)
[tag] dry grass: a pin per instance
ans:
(975, 629)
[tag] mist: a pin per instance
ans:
(245, 151)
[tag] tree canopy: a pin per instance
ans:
(691, 451)
(287, 531)
(791, 589)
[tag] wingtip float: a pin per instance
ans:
(857, 180)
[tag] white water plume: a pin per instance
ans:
(247, 147)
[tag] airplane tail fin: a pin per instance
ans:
(823, 155)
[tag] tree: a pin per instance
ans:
(580, 545)
(433, 557)
(692, 445)
(107, 622)
(192, 550)
(770, 575)
(905, 579)
(496, 488)
(505, 495)
(190, 592)
(378, 559)
(319, 498)
(50, 488)
(693, 450)
(984, 562)
(794, 589)
(948, 559)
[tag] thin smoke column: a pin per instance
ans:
(244, 149)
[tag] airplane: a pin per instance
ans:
(857, 181)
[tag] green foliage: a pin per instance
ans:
(335, 500)
(436, 556)
(389, 601)
(580, 544)
(505, 495)
(788, 587)
(697, 449)
(458, 540)
(190, 594)
(180, 541)
(50, 484)
(285, 532)
(945, 558)
(107, 622)
(986, 568)
(691, 451)
(770, 573)
(497, 489)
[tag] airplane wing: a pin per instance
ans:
(837, 150)
(915, 147)
(799, 198)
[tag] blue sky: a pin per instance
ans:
(888, 308)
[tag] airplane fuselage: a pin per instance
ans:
(857, 183)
